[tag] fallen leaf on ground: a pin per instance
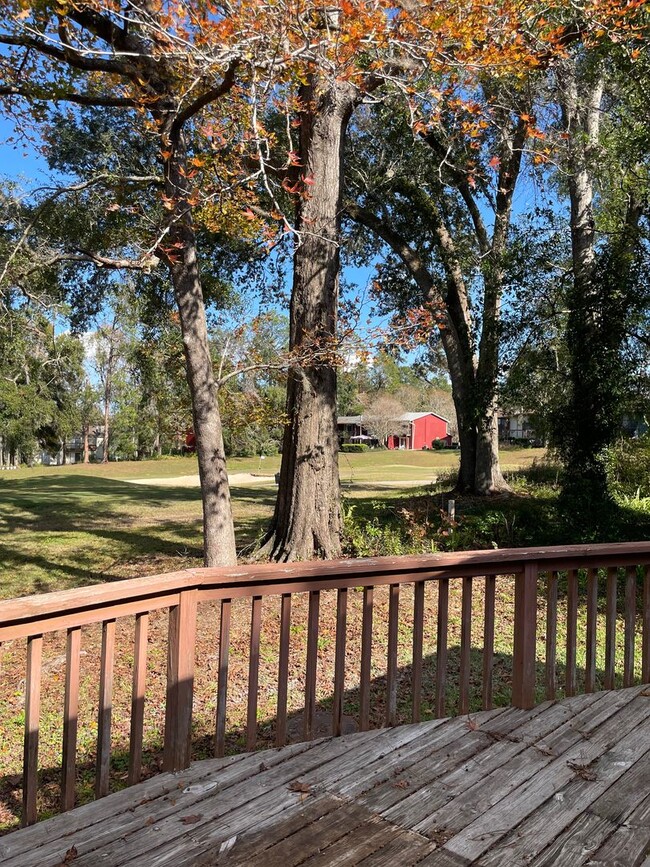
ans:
(297, 786)
(191, 820)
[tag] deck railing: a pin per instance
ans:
(616, 575)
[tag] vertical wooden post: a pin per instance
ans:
(222, 686)
(180, 682)
(70, 718)
(523, 668)
(339, 660)
(32, 716)
(645, 648)
(105, 715)
(138, 696)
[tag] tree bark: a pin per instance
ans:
(307, 518)
(182, 260)
(86, 445)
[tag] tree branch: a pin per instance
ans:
(208, 97)
(77, 98)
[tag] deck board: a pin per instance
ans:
(567, 783)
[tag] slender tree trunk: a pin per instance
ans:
(182, 259)
(107, 415)
(63, 454)
(86, 444)
(307, 519)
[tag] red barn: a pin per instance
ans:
(420, 430)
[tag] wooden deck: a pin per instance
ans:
(567, 783)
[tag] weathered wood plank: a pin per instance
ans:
(310, 838)
(630, 844)
(365, 840)
(492, 824)
(405, 850)
(571, 848)
(569, 803)
(281, 834)
(101, 823)
(463, 771)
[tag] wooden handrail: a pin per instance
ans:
(143, 593)
(183, 592)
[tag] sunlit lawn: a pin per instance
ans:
(68, 526)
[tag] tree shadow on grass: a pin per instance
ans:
(203, 742)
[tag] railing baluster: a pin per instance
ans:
(551, 636)
(391, 667)
(590, 638)
(524, 651)
(138, 696)
(645, 648)
(339, 660)
(571, 631)
(441, 646)
(610, 629)
(311, 664)
(366, 658)
(418, 642)
(283, 670)
(465, 644)
(630, 622)
(32, 716)
(181, 649)
(222, 683)
(253, 673)
(488, 641)
(102, 777)
(70, 718)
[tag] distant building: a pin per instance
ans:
(420, 429)
(516, 426)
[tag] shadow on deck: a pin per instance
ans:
(567, 783)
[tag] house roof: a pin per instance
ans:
(406, 416)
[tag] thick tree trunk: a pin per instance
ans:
(218, 529)
(307, 519)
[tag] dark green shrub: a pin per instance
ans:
(438, 445)
(354, 447)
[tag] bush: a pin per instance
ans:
(438, 445)
(628, 467)
(354, 447)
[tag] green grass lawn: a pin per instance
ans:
(68, 526)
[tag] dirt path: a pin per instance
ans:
(235, 479)
(242, 479)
